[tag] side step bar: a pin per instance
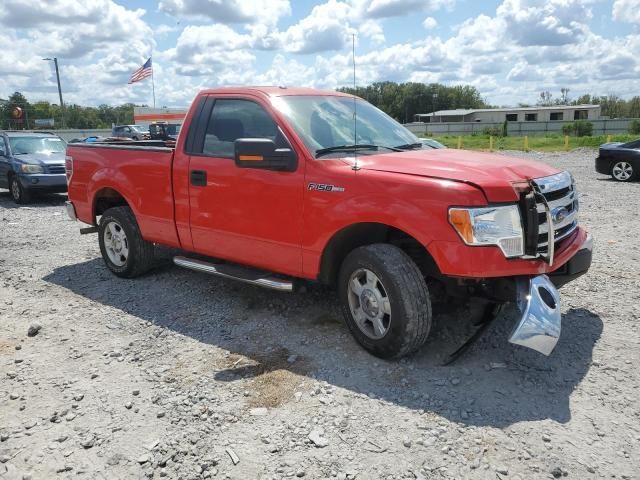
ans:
(246, 275)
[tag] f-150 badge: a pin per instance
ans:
(324, 187)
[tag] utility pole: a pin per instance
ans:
(55, 62)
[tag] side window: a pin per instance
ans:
(232, 119)
(3, 149)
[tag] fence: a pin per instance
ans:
(600, 127)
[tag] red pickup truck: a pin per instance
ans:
(272, 186)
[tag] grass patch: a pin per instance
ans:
(546, 143)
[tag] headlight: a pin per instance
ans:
(499, 226)
(27, 168)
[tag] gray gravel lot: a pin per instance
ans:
(181, 375)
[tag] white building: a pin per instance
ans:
(564, 113)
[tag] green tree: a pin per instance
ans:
(633, 108)
(403, 101)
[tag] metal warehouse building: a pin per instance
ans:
(517, 114)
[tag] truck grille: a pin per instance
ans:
(561, 197)
(56, 169)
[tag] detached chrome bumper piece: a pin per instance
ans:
(541, 321)
(71, 210)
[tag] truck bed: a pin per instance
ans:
(139, 171)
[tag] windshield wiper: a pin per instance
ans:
(409, 146)
(348, 148)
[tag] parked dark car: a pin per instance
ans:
(134, 132)
(31, 162)
(164, 131)
(620, 160)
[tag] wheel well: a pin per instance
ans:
(362, 234)
(106, 199)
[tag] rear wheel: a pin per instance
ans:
(123, 249)
(623, 171)
(385, 300)
(19, 194)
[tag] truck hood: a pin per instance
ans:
(41, 158)
(493, 174)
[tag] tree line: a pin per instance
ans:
(611, 106)
(72, 116)
(400, 100)
(403, 100)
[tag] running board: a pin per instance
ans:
(246, 275)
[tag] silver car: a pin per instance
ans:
(134, 132)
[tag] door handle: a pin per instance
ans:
(198, 178)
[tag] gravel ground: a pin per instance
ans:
(181, 375)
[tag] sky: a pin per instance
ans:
(511, 50)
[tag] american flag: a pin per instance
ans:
(144, 71)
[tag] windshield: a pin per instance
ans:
(28, 145)
(325, 121)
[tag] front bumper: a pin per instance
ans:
(541, 321)
(577, 265)
(603, 165)
(539, 303)
(50, 182)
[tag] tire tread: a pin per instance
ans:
(414, 293)
(143, 252)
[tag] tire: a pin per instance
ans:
(134, 138)
(398, 297)
(123, 249)
(19, 194)
(622, 171)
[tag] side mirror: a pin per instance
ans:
(262, 153)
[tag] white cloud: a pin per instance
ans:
(372, 30)
(509, 53)
(627, 11)
(229, 11)
(397, 8)
(545, 22)
(326, 28)
(523, 72)
(429, 23)
(162, 29)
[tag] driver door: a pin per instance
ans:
(4, 164)
(250, 216)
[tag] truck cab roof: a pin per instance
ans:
(25, 133)
(275, 91)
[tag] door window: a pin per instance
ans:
(232, 119)
(3, 151)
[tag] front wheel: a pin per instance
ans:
(385, 300)
(123, 249)
(623, 171)
(19, 194)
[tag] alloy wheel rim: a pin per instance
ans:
(622, 171)
(369, 303)
(116, 243)
(15, 189)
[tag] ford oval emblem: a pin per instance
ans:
(559, 214)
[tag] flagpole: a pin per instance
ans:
(153, 83)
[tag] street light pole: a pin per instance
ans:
(55, 62)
